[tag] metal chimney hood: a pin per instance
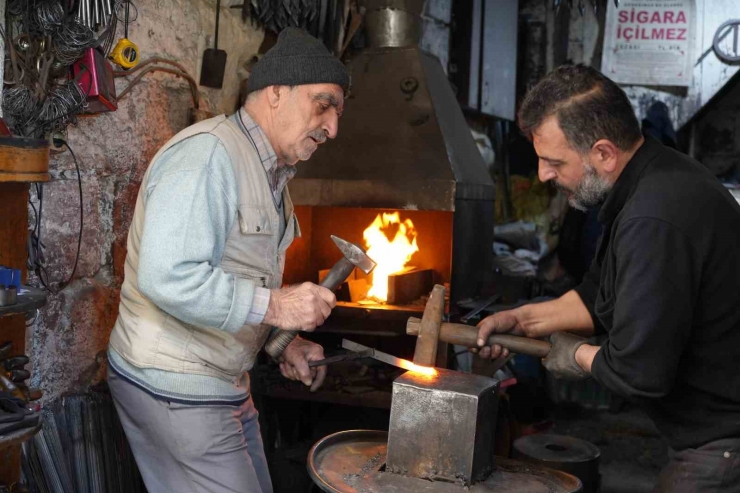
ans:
(403, 142)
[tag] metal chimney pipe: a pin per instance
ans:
(393, 23)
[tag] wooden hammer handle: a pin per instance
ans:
(465, 335)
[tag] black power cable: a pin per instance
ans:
(36, 243)
(82, 212)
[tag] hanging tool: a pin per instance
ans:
(214, 61)
(126, 53)
(18, 376)
(356, 16)
(353, 256)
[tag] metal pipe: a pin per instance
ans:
(108, 9)
(392, 28)
(86, 4)
(96, 13)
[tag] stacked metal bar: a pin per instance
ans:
(95, 13)
(93, 446)
(81, 449)
(73, 412)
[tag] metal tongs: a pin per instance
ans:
(348, 356)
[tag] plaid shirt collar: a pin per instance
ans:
(277, 177)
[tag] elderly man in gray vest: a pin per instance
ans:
(203, 277)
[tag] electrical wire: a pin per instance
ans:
(40, 269)
(82, 216)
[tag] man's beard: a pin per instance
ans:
(590, 192)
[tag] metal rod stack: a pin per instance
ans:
(81, 449)
(95, 13)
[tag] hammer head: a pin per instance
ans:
(354, 254)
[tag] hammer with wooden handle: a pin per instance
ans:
(466, 335)
(352, 256)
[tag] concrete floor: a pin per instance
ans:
(632, 452)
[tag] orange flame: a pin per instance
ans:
(424, 370)
(391, 256)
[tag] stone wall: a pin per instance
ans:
(68, 340)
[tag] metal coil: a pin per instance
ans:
(50, 15)
(61, 104)
(70, 42)
(19, 101)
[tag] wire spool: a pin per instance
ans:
(125, 54)
(562, 453)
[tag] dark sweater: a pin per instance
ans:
(665, 287)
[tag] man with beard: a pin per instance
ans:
(203, 277)
(664, 283)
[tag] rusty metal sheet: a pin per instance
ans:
(353, 461)
(442, 427)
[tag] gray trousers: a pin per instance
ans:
(182, 448)
(712, 468)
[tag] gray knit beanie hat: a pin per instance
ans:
(297, 58)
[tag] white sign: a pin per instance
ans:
(650, 42)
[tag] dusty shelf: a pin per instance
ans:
(31, 299)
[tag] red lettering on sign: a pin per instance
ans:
(658, 33)
(657, 17)
(670, 34)
(681, 34)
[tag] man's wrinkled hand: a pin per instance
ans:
(505, 322)
(301, 307)
(561, 361)
(294, 363)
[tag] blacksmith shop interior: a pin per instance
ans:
(365, 246)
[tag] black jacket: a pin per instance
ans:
(665, 286)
